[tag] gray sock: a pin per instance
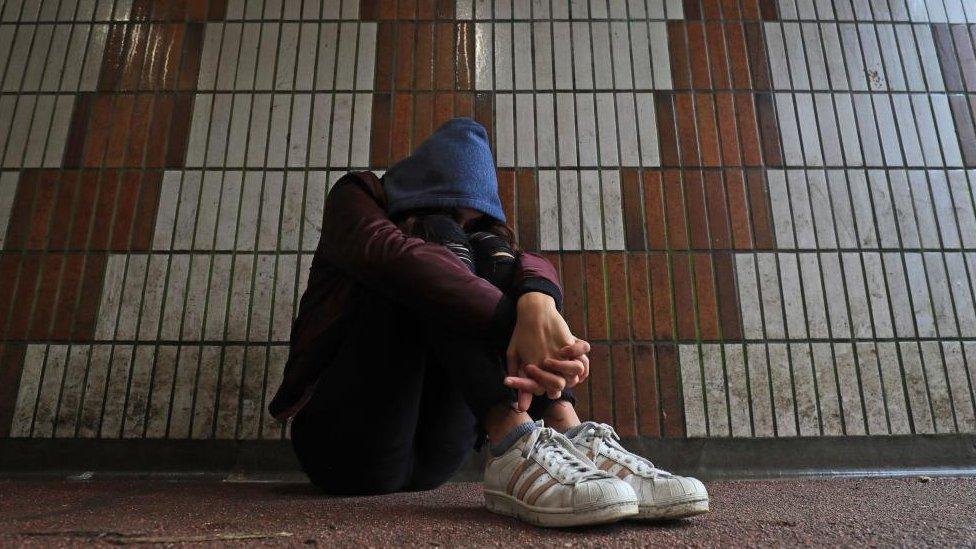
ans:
(510, 438)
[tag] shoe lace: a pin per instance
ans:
(557, 454)
(602, 437)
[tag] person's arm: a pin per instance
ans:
(535, 273)
(359, 239)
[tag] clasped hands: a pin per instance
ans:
(543, 356)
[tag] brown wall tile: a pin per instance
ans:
(684, 300)
(423, 57)
(443, 108)
(672, 406)
(25, 291)
(757, 56)
(83, 328)
(705, 296)
(748, 129)
(42, 212)
(617, 286)
(600, 384)
(445, 76)
(423, 116)
(692, 10)
(47, 291)
(661, 295)
(667, 133)
(380, 133)
(385, 57)
(769, 129)
(951, 70)
(680, 68)
(640, 296)
(966, 55)
(738, 51)
(528, 210)
(633, 217)
(464, 55)
(762, 222)
(684, 108)
(728, 299)
(648, 403)
(624, 393)
(727, 129)
(596, 304)
(697, 214)
(769, 10)
(707, 130)
(735, 189)
(401, 131)
(701, 78)
(750, 9)
(506, 192)
(718, 214)
(11, 365)
(654, 211)
(68, 295)
(574, 300)
(717, 57)
(963, 118)
(674, 204)
(9, 268)
(406, 38)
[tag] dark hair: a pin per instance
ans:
(415, 222)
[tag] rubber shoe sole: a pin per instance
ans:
(504, 504)
(677, 510)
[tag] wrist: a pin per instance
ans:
(535, 301)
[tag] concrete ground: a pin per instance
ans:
(860, 512)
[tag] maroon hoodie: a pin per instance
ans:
(360, 246)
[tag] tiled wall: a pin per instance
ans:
(763, 211)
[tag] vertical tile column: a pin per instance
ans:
(65, 221)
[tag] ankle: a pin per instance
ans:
(561, 416)
(503, 418)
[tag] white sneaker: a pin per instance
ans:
(662, 495)
(543, 480)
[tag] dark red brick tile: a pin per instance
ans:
(100, 125)
(528, 210)
(617, 285)
(189, 66)
(115, 148)
(728, 299)
(661, 295)
(134, 56)
(464, 55)
(768, 10)
(139, 137)
(217, 9)
(711, 10)
(963, 118)
(113, 61)
(730, 9)
(725, 110)
(674, 205)
(19, 225)
(47, 291)
(179, 130)
(684, 300)
(445, 75)
(738, 55)
(705, 296)
(633, 218)
(443, 108)
(25, 291)
(757, 56)
(380, 134)
(680, 67)
(42, 214)
(672, 406)
(125, 209)
(711, 154)
(423, 57)
(735, 189)
(750, 9)
(648, 403)
(145, 210)
(583, 407)
(407, 9)
(63, 208)
(464, 104)
(951, 69)
(657, 237)
(406, 39)
(401, 146)
(596, 299)
(684, 107)
(91, 290)
(77, 130)
(717, 56)
(624, 391)
(718, 212)
(68, 295)
(697, 214)
(762, 223)
(483, 114)
(748, 129)
(667, 133)
(87, 198)
(640, 297)
(600, 383)
(692, 10)
(369, 10)
(101, 232)
(162, 115)
(506, 191)
(426, 9)
(9, 267)
(446, 9)
(574, 298)
(385, 57)
(698, 56)
(423, 116)
(11, 366)
(769, 129)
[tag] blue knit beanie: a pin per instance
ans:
(453, 168)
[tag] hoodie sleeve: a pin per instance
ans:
(536, 274)
(359, 239)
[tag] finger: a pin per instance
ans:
(572, 381)
(586, 368)
(574, 350)
(550, 381)
(563, 367)
(524, 400)
(512, 362)
(524, 384)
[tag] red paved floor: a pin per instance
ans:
(906, 512)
